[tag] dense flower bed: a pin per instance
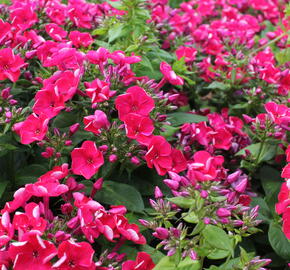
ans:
(140, 135)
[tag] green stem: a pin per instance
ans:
(267, 44)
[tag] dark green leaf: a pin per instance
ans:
(65, 119)
(114, 193)
(3, 185)
(270, 179)
(29, 174)
(278, 241)
(179, 118)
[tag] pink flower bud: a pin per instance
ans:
(113, 158)
(223, 212)
(71, 183)
(171, 184)
(68, 142)
(118, 209)
(144, 222)
(241, 185)
(234, 176)
(98, 184)
(247, 119)
(5, 93)
(161, 233)
(135, 161)
(13, 102)
(73, 129)
(66, 208)
(203, 194)
(193, 255)
(8, 114)
(104, 148)
(158, 193)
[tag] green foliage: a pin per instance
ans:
(171, 263)
(114, 193)
(278, 241)
(218, 239)
(179, 118)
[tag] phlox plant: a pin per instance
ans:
(144, 135)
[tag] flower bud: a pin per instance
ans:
(223, 212)
(158, 193)
(161, 233)
(73, 129)
(113, 158)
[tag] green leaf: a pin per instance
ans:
(266, 153)
(179, 66)
(116, 4)
(283, 56)
(155, 254)
(278, 241)
(5, 147)
(116, 31)
(218, 85)
(99, 31)
(231, 264)
(191, 217)
(29, 174)
(65, 119)
(270, 179)
(182, 201)
(188, 264)
(169, 131)
(3, 185)
(179, 118)
(218, 254)
(114, 193)
(160, 55)
(217, 238)
(166, 263)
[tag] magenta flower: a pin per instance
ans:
(10, 65)
(34, 253)
(98, 91)
(80, 39)
(170, 75)
(142, 262)
(204, 166)
(48, 102)
(32, 129)
(55, 32)
(139, 127)
(159, 155)
(75, 255)
(23, 17)
(94, 123)
(136, 100)
(87, 159)
(188, 53)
